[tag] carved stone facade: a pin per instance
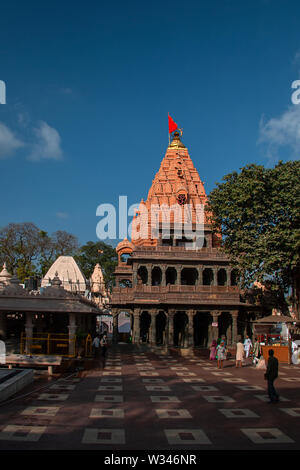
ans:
(179, 294)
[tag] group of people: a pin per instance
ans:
(218, 351)
(100, 346)
(243, 349)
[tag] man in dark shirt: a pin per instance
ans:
(270, 375)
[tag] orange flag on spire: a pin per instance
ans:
(172, 125)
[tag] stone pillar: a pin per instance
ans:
(28, 332)
(134, 275)
(215, 330)
(190, 329)
(178, 280)
(72, 332)
(115, 314)
(215, 273)
(163, 275)
(136, 326)
(234, 315)
(152, 330)
(170, 341)
(3, 325)
(228, 274)
(200, 276)
(149, 270)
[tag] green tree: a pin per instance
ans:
(19, 247)
(30, 251)
(257, 213)
(97, 252)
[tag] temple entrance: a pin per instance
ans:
(203, 329)
(145, 326)
(160, 324)
(225, 326)
(180, 329)
(124, 327)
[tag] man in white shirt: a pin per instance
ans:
(247, 346)
(96, 346)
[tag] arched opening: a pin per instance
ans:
(160, 324)
(124, 257)
(142, 275)
(222, 277)
(171, 276)
(203, 329)
(244, 325)
(156, 276)
(208, 277)
(145, 326)
(125, 283)
(180, 329)
(225, 326)
(234, 277)
(189, 276)
(124, 326)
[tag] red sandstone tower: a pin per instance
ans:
(177, 286)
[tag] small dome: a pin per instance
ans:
(125, 244)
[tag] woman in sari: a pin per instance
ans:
(221, 354)
(213, 350)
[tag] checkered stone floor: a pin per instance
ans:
(152, 401)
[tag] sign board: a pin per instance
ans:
(214, 324)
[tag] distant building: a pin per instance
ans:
(69, 273)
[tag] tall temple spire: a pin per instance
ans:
(176, 182)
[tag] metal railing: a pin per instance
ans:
(58, 344)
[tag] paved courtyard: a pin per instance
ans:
(144, 401)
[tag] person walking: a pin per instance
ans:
(221, 354)
(240, 352)
(247, 346)
(256, 351)
(103, 344)
(271, 375)
(96, 346)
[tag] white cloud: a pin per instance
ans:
(8, 142)
(281, 132)
(47, 145)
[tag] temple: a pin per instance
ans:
(172, 278)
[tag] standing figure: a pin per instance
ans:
(270, 375)
(213, 350)
(221, 354)
(240, 352)
(247, 346)
(103, 343)
(256, 351)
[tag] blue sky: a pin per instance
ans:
(89, 87)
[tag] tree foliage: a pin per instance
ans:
(29, 251)
(257, 213)
(98, 252)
